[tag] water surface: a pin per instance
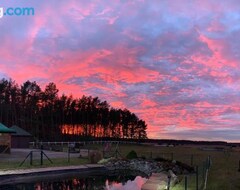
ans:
(121, 180)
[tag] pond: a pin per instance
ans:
(121, 180)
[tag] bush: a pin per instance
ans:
(131, 155)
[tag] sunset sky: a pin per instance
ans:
(175, 63)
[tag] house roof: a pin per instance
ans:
(4, 129)
(19, 131)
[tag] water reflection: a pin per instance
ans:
(72, 184)
(100, 182)
(81, 184)
(136, 184)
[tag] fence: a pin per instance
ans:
(31, 157)
(38, 144)
(193, 181)
(196, 180)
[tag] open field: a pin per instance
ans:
(223, 174)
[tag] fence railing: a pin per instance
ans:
(34, 144)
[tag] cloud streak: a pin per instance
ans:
(176, 65)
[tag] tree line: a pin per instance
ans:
(48, 116)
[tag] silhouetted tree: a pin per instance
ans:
(51, 117)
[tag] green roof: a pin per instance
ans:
(19, 131)
(4, 129)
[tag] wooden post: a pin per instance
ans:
(191, 159)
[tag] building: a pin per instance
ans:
(21, 138)
(5, 138)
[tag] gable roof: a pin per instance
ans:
(4, 129)
(19, 131)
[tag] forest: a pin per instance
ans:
(49, 116)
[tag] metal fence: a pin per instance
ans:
(193, 181)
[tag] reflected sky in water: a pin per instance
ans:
(136, 184)
(123, 181)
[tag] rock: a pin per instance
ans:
(146, 166)
(174, 178)
(105, 160)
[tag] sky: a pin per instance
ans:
(175, 63)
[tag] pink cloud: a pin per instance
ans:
(175, 65)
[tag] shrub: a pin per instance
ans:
(131, 155)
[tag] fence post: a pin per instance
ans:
(196, 177)
(208, 162)
(169, 182)
(186, 182)
(41, 159)
(31, 158)
(204, 172)
(239, 166)
(68, 153)
(191, 159)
